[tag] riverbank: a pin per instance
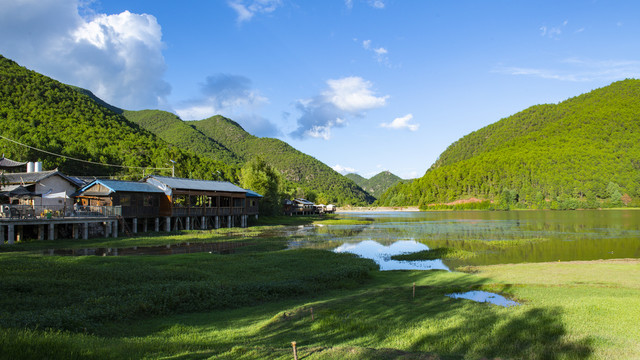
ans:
(348, 209)
(252, 303)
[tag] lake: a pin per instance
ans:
(496, 237)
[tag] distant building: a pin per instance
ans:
(305, 207)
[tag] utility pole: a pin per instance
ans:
(173, 168)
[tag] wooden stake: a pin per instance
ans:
(311, 314)
(414, 290)
(295, 350)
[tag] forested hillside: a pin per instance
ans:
(46, 114)
(173, 130)
(219, 134)
(377, 184)
(583, 152)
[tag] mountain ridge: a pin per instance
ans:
(316, 178)
(46, 114)
(575, 151)
(377, 184)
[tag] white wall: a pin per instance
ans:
(54, 184)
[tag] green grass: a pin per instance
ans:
(253, 303)
(434, 254)
(381, 320)
(291, 220)
(78, 293)
(342, 222)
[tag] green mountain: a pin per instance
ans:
(377, 184)
(584, 151)
(173, 130)
(222, 138)
(37, 112)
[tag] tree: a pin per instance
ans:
(260, 177)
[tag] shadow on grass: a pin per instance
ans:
(418, 328)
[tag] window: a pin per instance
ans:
(238, 203)
(125, 200)
(225, 201)
(148, 200)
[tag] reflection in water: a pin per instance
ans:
(483, 296)
(381, 254)
(531, 236)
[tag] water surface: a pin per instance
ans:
(484, 296)
(496, 237)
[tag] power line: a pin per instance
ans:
(80, 160)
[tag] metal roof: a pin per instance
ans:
(251, 193)
(303, 201)
(192, 184)
(124, 186)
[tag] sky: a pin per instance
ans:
(361, 85)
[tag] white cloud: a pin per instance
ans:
(118, 57)
(231, 96)
(378, 4)
(350, 96)
(379, 53)
(247, 9)
(402, 123)
(343, 169)
(578, 70)
(353, 94)
(320, 131)
(554, 31)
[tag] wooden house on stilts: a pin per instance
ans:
(169, 203)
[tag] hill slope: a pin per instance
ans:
(219, 134)
(40, 112)
(173, 130)
(377, 184)
(585, 149)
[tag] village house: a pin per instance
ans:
(204, 203)
(133, 199)
(156, 203)
(49, 190)
(306, 207)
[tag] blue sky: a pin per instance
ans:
(362, 85)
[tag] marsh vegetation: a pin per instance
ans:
(251, 303)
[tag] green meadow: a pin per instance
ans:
(252, 303)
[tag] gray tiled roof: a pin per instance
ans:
(125, 186)
(8, 163)
(191, 184)
(33, 177)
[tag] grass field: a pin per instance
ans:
(252, 304)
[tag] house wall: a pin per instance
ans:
(54, 184)
(138, 205)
